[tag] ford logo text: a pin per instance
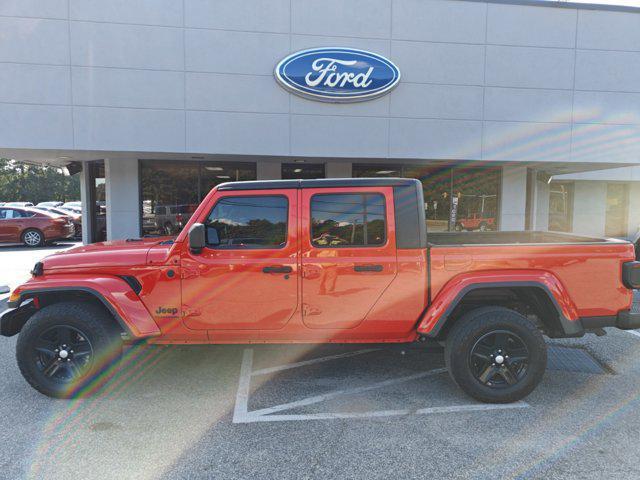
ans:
(336, 74)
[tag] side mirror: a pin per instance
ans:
(196, 238)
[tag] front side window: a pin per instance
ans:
(348, 220)
(248, 222)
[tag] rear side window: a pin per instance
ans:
(249, 222)
(348, 220)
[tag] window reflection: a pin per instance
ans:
(455, 198)
(560, 206)
(171, 191)
(248, 222)
(342, 220)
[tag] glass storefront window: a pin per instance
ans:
(292, 171)
(560, 206)
(475, 190)
(171, 191)
(455, 198)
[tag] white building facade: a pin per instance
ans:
(156, 101)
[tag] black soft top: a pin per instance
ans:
(318, 183)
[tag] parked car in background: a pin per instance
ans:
(33, 227)
(74, 204)
(476, 221)
(167, 219)
(48, 204)
(75, 217)
(18, 204)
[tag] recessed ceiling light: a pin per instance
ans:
(385, 172)
(223, 176)
(297, 170)
(298, 160)
(214, 169)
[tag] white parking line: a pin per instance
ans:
(633, 332)
(312, 361)
(241, 414)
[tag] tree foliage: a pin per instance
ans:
(21, 182)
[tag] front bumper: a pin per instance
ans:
(624, 320)
(13, 319)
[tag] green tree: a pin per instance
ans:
(21, 182)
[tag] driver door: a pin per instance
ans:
(247, 277)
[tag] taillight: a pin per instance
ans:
(631, 274)
(179, 218)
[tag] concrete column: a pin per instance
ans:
(85, 188)
(269, 170)
(513, 198)
(589, 208)
(123, 198)
(337, 169)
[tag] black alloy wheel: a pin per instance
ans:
(63, 353)
(69, 349)
(495, 354)
(499, 359)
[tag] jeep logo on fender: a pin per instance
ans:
(167, 312)
(337, 74)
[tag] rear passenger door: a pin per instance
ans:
(348, 253)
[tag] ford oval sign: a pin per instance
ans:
(335, 74)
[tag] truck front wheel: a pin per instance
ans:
(496, 355)
(68, 349)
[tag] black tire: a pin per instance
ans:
(471, 355)
(89, 328)
(32, 237)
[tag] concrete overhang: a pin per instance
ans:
(63, 158)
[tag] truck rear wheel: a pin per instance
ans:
(68, 349)
(496, 355)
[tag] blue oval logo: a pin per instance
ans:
(336, 74)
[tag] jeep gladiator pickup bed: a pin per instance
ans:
(317, 261)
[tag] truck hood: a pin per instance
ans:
(115, 253)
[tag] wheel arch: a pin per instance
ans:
(120, 301)
(542, 297)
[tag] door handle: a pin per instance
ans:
(367, 268)
(279, 269)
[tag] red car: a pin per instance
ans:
(476, 221)
(33, 227)
(322, 261)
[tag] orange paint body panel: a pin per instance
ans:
(304, 291)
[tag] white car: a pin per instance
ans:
(18, 204)
(49, 204)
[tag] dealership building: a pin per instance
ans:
(513, 114)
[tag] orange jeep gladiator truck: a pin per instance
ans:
(318, 261)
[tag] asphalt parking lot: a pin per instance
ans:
(360, 411)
